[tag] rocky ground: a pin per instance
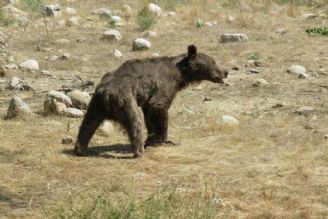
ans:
(260, 141)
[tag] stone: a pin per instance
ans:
(11, 66)
(22, 20)
(17, 107)
(17, 84)
(296, 69)
(304, 110)
(150, 34)
(230, 19)
(233, 38)
(73, 21)
(80, 99)
(208, 99)
(281, 31)
(52, 10)
(254, 71)
(3, 72)
(326, 136)
(67, 140)
(102, 12)
(172, 14)
(73, 113)
(29, 64)
(116, 20)
(106, 128)
(141, 44)
(70, 11)
(117, 53)
(53, 58)
(154, 9)
(112, 35)
(63, 41)
(46, 73)
(229, 120)
(254, 63)
(260, 82)
(65, 56)
(310, 16)
(56, 102)
(236, 68)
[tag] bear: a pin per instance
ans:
(140, 92)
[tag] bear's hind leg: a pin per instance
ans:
(94, 116)
(132, 120)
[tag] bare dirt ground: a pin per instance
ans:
(273, 165)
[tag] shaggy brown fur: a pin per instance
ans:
(141, 91)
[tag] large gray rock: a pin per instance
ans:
(80, 99)
(141, 44)
(17, 107)
(233, 38)
(112, 35)
(29, 64)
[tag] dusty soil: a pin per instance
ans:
(275, 163)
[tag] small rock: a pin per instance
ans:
(326, 136)
(29, 64)
(112, 35)
(63, 41)
(236, 68)
(70, 11)
(260, 82)
(56, 102)
(281, 31)
(61, 23)
(297, 69)
(304, 110)
(52, 10)
(106, 128)
(80, 99)
(65, 56)
(53, 58)
(11, 66)
(17, 84)
(303, 76)
(116, 20)
(172, 14)
(198, 87)
(229, 120)
(150, 34)
(46, 73)
(208, 99)
(117, 53)
(67, 140)
(17, 107)
(154, 9)
(254, 63)
(72, 112)
(254, 71)
(230, 19)
(233, 38)
(155, 55)
(73, 21)
(141, 44)
(310, 16)
(102, 12)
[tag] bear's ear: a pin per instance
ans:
(192, 51)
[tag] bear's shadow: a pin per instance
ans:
(115, 151)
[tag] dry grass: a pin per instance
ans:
(274, 165)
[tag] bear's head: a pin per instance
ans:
(203, 67)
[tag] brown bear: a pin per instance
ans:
(140, 92)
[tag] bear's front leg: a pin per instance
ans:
(91, 121)
(157, 124)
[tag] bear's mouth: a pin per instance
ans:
(218, 80)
